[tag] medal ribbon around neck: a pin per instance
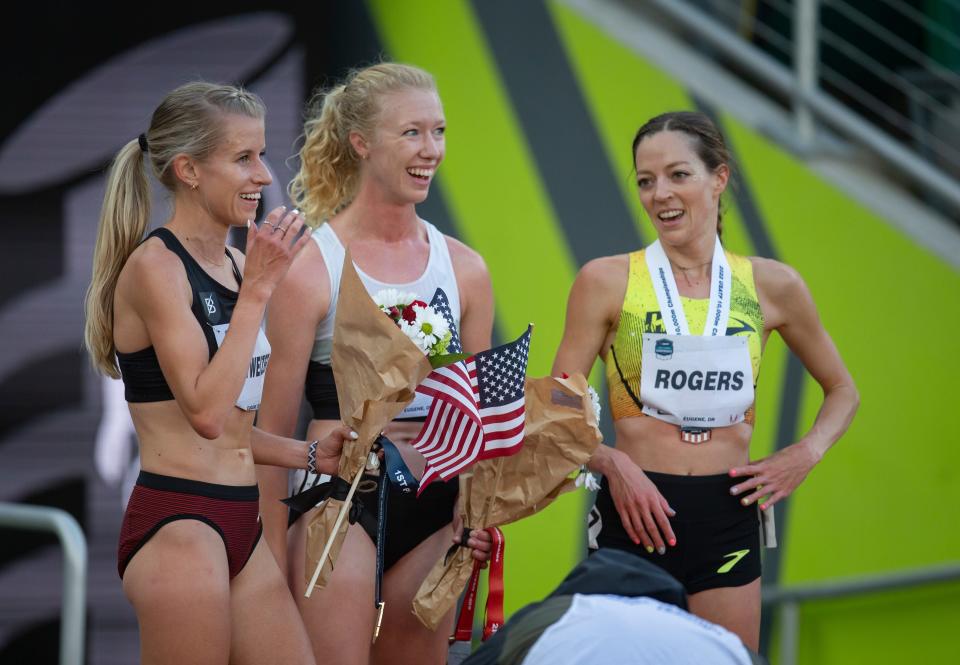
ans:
(671, 308)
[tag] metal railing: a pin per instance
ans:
(936, 154)
(73, 617)
(790, 598)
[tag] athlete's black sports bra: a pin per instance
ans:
(213, 303)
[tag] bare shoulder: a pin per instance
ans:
(600, 286)
(305, 289)
(467, 262)
(605, 272)
(776, 280)
(153, 279)
(602, 282)
(784, 296)
(308, 266)
(152, 265)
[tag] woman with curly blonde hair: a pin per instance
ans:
(371, 149)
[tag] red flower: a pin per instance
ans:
(408, 314)
(394, 313)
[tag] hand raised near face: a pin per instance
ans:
(272, 248)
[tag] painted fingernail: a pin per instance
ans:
(649, 549)
(733, 490)
(354, 435)
(763, 506)
(295, 211)
(733, 472)
(673, 542)
(661, 550)
(744, 501)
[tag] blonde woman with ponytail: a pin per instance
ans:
(371, 148)
(178, 316)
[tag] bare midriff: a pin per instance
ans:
(656, 446)
(169, 446)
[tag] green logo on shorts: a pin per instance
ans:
(728, 566)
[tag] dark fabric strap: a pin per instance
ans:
(156, 481)
(396, 469)
(383, 494)
(236, 268)
(335, 488)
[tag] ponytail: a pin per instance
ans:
(329, 166)
(123, 222)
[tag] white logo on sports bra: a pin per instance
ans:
(211, 308)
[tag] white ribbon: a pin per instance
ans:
(665, 286)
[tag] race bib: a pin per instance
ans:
(252, 392)
(696, 381)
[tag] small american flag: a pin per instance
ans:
(441, 304)
(477, 410)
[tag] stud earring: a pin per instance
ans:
(194, 186)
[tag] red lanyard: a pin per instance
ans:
(493, 613)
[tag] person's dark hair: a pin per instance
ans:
(705, 138)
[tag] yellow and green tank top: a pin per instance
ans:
(641, 314)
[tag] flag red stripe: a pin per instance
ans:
(433, 431)
(461, 430)
(454, 467)
(467, 454)
(504, 425)
(504, 417)
(440, 384)
(489, 453)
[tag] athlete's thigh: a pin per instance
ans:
(272, 481)
(179, 586)
(735, 608)
(339, 618)
(403, 639)
(266, 625)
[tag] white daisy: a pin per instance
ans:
(412, 330)
(387, 298)
(431, 325)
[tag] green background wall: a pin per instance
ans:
(884, 499)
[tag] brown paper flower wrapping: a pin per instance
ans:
(377, 369)
(318, 530)
(560, 434)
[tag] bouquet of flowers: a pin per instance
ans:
(423, 324)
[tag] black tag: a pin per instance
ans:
(211, 307)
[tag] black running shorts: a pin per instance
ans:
(718, 539)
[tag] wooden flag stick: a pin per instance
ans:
(344, 509)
